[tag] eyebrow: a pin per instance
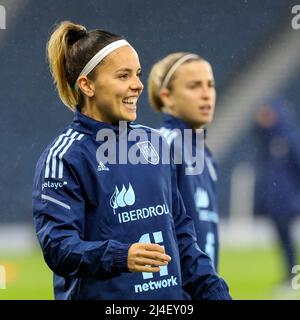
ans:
(201, 81)
(127, 69)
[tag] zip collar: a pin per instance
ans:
(91, 126)
(172, 122)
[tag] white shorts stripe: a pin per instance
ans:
(58, 141)
(60, 203)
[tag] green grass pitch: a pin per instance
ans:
(250, 274)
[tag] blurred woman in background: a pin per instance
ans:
(182, 87)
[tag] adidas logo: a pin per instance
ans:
(102, 167)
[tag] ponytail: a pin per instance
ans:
(69, 49)
(64, 36)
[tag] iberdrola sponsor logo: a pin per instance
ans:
(202, 204)
(201, 198)
(124, 198)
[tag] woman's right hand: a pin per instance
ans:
(146, 257)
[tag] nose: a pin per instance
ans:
(137, 84)
(206, 93)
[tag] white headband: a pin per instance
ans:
(99, 56)
(175, 66)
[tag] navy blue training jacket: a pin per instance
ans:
(198, 191)
(87, 214)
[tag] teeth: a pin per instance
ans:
(130, 100)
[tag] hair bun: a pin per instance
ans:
(75, 34)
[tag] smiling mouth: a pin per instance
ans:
(130, 103)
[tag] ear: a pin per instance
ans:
(86, 86)
(166, 98)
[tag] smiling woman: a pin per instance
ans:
(95, 238)
(103, 80)
(114, 93)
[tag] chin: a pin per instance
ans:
(130, 117)
(205, 121)
(201, 124)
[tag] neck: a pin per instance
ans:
(199, 126)
(191, 125)
(90, 110)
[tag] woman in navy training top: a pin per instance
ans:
(111, 230)
(182, 87)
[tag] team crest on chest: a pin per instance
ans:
(148, 152)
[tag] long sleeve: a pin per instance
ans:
(59, 216)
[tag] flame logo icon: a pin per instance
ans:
(122, 198)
